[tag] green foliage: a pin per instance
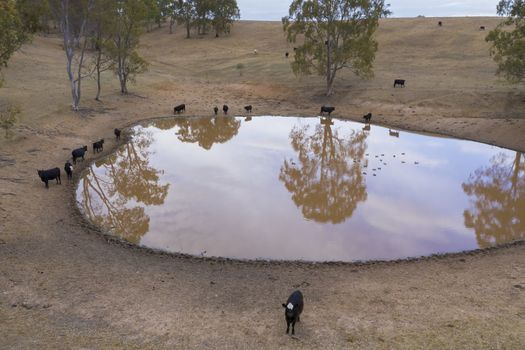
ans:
(240, 67)
(12, 31)
(125, 33)
(201, 14)
(224, 13)
(508, 40)
(152, 13)
(332, 35)
(8, 119)
(185, 13)
(34, 14)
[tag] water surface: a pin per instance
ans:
(304, 188)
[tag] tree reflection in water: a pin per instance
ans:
(111, 200)
(203, 131)
(326, 182)
(497, 211)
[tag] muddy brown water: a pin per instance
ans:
(311, 189)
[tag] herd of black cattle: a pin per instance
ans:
(98, 146)
(54, 174)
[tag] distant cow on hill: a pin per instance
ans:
(440, 23)
(179, 109)
(225, 109)
(482, 28)
(400, 82)
(325, 109)
(51, 174)
(215, 110)
(367, 117)
(117, 133)
(248, 109)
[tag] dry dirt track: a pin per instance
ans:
(62, 285)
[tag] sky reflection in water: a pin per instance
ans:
(304, 188)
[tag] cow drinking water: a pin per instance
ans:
(325, 109)
(179, 109)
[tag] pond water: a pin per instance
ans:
(304, 189)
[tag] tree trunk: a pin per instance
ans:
(188, 27)
(172, 22)
(329, 74)
(514, 180)
(99, 58)
(70, 43)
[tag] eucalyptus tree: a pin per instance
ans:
(101, 35)
(507, 39)
(224, 13)
(152, 13)
(127, 26)
(203, 10)
(333, 35)
(163, 11)
(35, 14)
(497, 201)
(74, 16)
(12, 32)
(185, 13)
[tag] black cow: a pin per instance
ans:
(325, 109)
(68, 168)
(180, 108)
(440, 23)
(98, 146)
(51, 174)
(117, 133)
(78, 153)
(287, 54)
(400, 82)
(225, 109)
(482, 28)
(293, 308)
(215, 110)
(367, 117)
(248, 109)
